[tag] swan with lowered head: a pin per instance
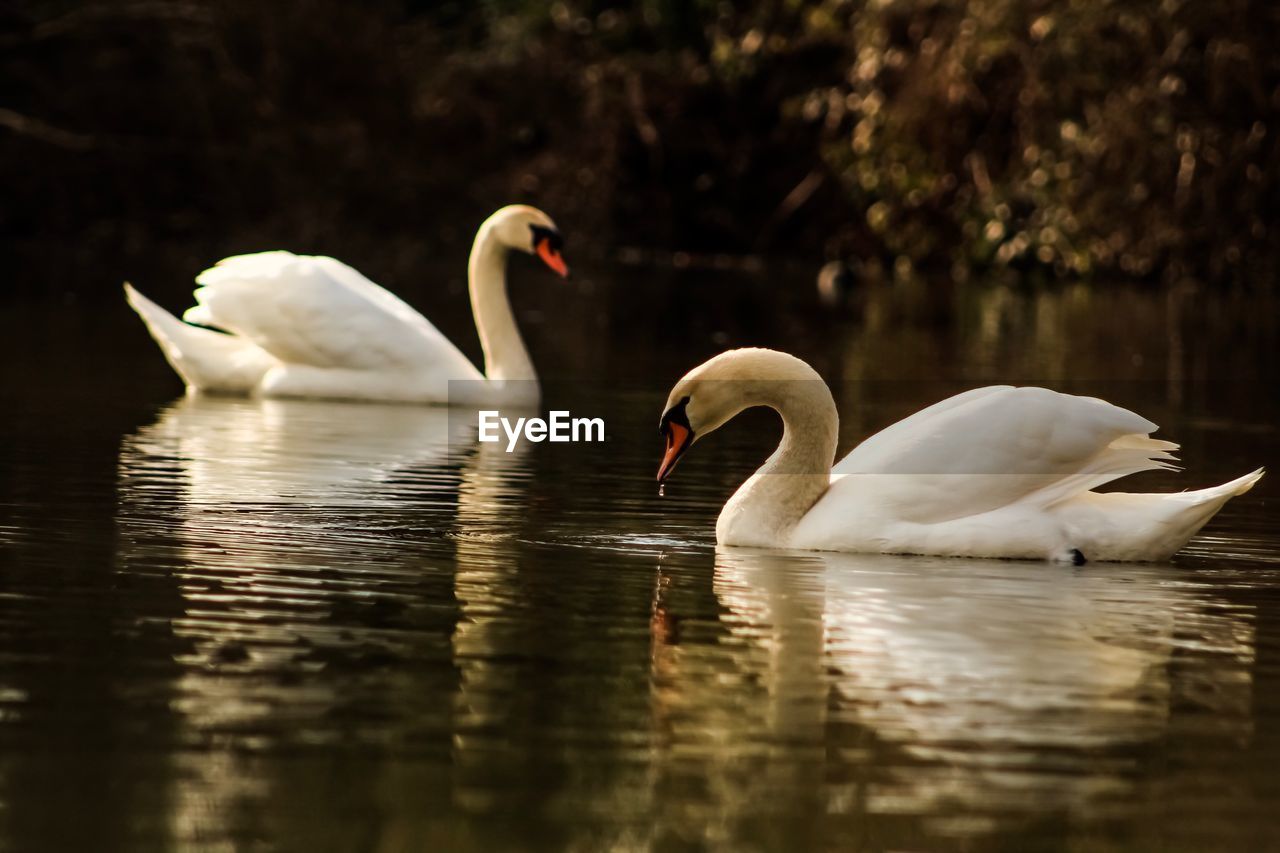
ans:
(993, 472)
(311, 326)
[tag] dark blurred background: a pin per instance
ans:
(300, 625)
(1071, 140)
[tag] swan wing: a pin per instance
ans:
(989, 448)
(317, 311)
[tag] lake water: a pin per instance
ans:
(233, 624)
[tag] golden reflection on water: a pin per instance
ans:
(267, 514)
(289, 451)
(965, 692)
(984, 686)
(782, 699)
(487, 588)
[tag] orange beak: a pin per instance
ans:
(679, 437)
(551, 257)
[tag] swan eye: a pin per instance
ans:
(677, 414)
(554, 241)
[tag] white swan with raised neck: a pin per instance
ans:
(277, 324)
(992, 472)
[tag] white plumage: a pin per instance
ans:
(992, 472)
(310, 326)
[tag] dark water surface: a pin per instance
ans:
(231, 624)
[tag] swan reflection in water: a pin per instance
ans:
(362, 576)
(301, 539)
(850, 685)
(292, 452)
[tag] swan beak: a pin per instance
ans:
(679, 437)
(552, 258)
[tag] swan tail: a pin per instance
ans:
(1128, 454)
(1144, 527)
(206, 360)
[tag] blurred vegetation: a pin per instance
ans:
(1082, 138)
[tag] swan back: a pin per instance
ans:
(1002, 445)
(319, 312)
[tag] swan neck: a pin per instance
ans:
(505, 355)
(766, 509)
(802, 463)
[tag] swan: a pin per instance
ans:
(311, 326)
(993, 472)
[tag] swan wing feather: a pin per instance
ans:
(317, 311)
(991, 447)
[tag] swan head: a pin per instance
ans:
(711, 394)
(529, 230)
